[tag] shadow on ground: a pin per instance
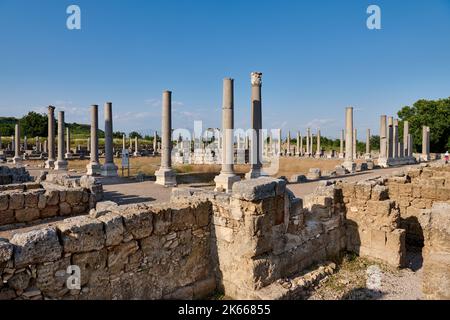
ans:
(122, 199)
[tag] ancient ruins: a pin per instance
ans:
(247, 236)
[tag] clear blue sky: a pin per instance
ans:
(317, 57)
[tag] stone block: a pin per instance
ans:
(118, 256)
(36, 246)
(27, 214)
(138, 223)
(16, 201)
(7, 217)
(81, 234)
(6, 250)
(114, 228)
(4, 202)
(65, 209)
(257, 189)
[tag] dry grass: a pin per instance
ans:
(148, 166)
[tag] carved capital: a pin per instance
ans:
(256, 78)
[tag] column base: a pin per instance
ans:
(49, 164)
(109, 170)
(93, 169)
(166, 177)
(68, 155)
(341, 156)
(350, 166)
(224, 182)
(136, 154)
(17, 160)
(255, 173)
(61, 165)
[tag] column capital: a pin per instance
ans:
(51, 109)
(256, 78)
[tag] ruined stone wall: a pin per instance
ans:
(261, 233)
(436, 253)
(33, 201)
(415, 190)
(373, 221)
(137, 252)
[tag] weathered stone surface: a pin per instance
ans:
(118, 256)
(16, 201)
(36, 246)
(298, 178)
(7, 217)
(65, 209)
(27, 214)
(4, 202)
(81, 234)
(258, 189)
(52, 197)
(6, 250)
(31, 199)
(139, 223)
(114, 228)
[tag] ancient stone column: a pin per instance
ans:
(301, 146)
(155, 140)
(319, 148)
(308, 143)
(382, 159)
(68, 150)
(406, 151)
(410, 146)
(93, 167)
(395, 151)
(368, 142)
(349, 164)
(341, 147)
(280, 152)
(136, 147)
(299, 152)
(45, 146)
(165, 175)
(288, 140)
(17, 159)
(124, 142)
(225, 180)
(256, 109)
(25, 143)
(390, 138)
(88, 145)
(13, 145)
(425, 143)
(355, 139)
(61, 163)
(109, 169)
(50, 163)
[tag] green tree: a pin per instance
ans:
(135, 134)
(34, 124)
(432, 113)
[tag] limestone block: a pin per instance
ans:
(258, 189)
(314, 174)
(74, 197)
(31, 199)
(65, 209)
(27, 214)
(118, 256)
(49, 211)
(182, 219)
(114, 228)
(138, 223)
(162, 220)
(81, 234)
(298, 178)
(36, 246)
(380, 193)
(7, 217)
(16, 201)
(92, 266)
(52, 197)
(4, 202)
(42, 201)
(363, 190)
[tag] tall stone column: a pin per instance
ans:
(425, 143)
(124, 142)
(390, 138)
(109, 169)
(406, 150)
(68, 150)
(301, 146)
(88, 145)
(17, 159)
(93, 168)
(50, 163)
(410, 146)
(225, 180)
(45, 146)
(165, 175)
(395, 151)
(368, 144)
(355, 143)
(349, 164)
(136, 147)
(256, 108)
(155, 145)
(382, 158)
(288, 140)
(13, 145)
(25, 143)
(299, 151)
(319, 147)
(308, 142)
(61, 163)
(280, 152)
(341, 147)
